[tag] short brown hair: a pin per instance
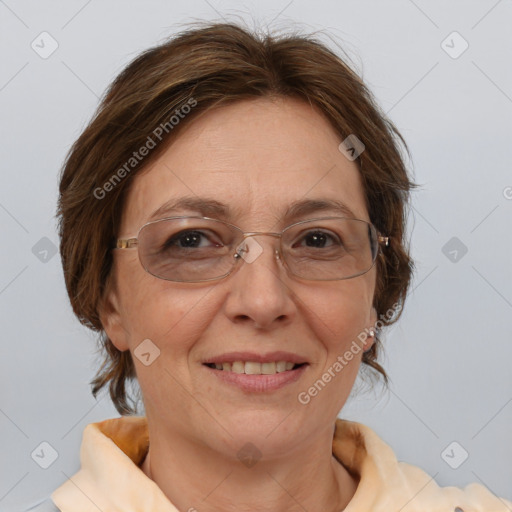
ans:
(214, 65)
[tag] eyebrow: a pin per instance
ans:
(205, 206)
(208, 207)
(308, 206)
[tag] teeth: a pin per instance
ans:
(254, 368)
(237, 367)
(268, 368)
(281, 366)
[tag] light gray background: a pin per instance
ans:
(449, 357)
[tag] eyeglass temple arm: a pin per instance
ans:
(383, 239)
(127, 243)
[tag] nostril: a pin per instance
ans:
(242, 318)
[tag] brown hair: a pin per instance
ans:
(208, 67)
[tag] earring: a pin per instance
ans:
(371, 334)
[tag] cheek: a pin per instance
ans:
(148, 307)
(339, 313)
(171, 315)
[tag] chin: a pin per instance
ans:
(264, 427)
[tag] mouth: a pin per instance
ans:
(257, 373)
(255, 367)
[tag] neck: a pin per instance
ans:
(195, 478)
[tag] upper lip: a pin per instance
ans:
(269, 357)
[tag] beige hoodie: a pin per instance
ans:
(110, 479)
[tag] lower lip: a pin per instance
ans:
(259, 383)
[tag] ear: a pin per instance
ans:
(111, 319)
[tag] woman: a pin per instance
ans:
(232, 224)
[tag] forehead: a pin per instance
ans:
(258, 158)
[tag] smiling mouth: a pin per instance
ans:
(255, 368)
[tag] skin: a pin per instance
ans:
(258, 156)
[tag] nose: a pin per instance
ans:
(259, 289)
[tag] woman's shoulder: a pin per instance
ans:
(44, 506)
(386, 483)
(473, 497)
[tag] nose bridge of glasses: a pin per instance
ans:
(250, 250)
(258, 233)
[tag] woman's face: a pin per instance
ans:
(257, 158)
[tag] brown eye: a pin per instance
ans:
(318, 239)
(186, 240)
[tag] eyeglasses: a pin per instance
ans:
(195, 249)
